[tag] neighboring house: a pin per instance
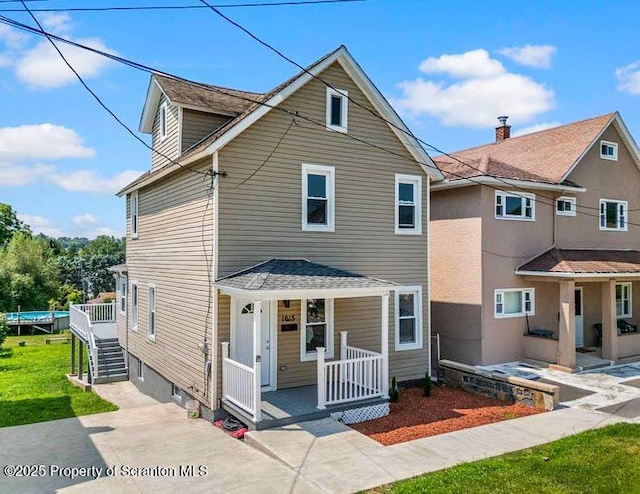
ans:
(538, 236)
(262, 235)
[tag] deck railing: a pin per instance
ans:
(238, 382)
(84, 319)
(358, 375)
(99, 313)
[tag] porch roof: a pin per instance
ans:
(290, 278)
(583, 263)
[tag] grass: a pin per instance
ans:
(34, 387)
(600, 461)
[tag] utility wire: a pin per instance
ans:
(177, 7)
(136, 65)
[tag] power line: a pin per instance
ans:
(178, 7)
(144, 68)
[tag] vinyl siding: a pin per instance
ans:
(169, 147)
(261, 219)
(196, 125)
(175, 230)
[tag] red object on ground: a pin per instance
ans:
(239, 434)
(447, 410)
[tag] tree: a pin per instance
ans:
(68, 295)
(10, 224)
(29, 276)
(4, 329)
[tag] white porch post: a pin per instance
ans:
(225, 349)
(257, 365)
(322, 382)
(384, 346)
(343, 345)
(567, 325)
(609, 321)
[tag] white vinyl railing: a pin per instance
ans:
(99, 313)
(238, 382)
(83, 318)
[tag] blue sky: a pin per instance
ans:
(449, 68)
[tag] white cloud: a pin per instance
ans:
(535, 128)
(486, 90)
(90, 181)
(17, 175)
(40, 224)
(472, 64)
(44, 141)
(85, 219)
(629, 78)
(538, 56)
(42, 67)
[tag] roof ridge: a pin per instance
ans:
(213, 86)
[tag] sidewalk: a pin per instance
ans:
(338, 459)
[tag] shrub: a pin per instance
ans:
(4, 329)
(394, 392)
(427, 384)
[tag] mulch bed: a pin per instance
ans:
(447, 410)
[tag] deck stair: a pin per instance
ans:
(111, 366)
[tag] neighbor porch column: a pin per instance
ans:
(80, 360)
(257, 360)
(567, 325)
(609, 321)
(73, 355)
(384, 345)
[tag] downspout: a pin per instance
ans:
(428, 236)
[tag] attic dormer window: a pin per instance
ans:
(337, 103)
(163, 121)
(609, 150)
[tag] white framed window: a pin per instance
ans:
(134, 305)
(623, 300)
(408, 318)
(175, 393)
(317, 328)
(151, 328)
(514, 302)
(318, 198)
(408, 215)
(515, 206)
(164, 113)
(609, 150)
(613, 215)
(122, 292)
(337, 109)
(134, 214)
(140, 369)
(566, 206)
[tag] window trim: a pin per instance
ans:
(329, 172)
(329, 337)
(630, 286)
(135, 214)
(626, 216)
(501, 292)
(122, 294)
(344, 96)
(150, 310)
(614, 145)
(164, 121)
(572, 200)
(177, 396)
(135, 308)
(416, 181)
(520, 195)
(417, 305)
(140, 370)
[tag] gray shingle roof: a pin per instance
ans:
(298, 274)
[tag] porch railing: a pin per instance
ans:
(99, 313)
(358, 375)
(238, 383)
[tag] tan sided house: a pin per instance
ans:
(535, 246)
(277, 249)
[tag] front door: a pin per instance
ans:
(242, 350)
(579, 318)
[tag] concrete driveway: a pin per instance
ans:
(155, 438)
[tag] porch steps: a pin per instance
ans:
(112, 366)
(269, 422)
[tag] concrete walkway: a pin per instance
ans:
(339, 459)
(143, 433)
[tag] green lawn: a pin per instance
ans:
(34, 387)
(600, 461)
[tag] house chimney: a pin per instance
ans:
(503, 131)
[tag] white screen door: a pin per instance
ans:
(579, 317)
(244, 339)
